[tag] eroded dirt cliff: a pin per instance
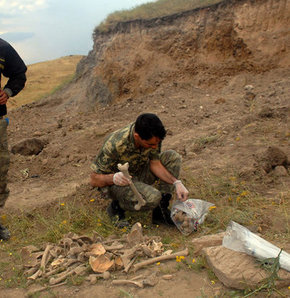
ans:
(204, 47)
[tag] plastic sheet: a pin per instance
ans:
(239, 238)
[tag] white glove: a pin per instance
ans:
(181, 191)
(120, 179)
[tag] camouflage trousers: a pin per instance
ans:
(4, 162)
(147, 184)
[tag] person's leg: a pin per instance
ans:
(4, 166)
(123, 199)
(127, 200)
(157, 196)
(172, 162)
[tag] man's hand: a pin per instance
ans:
(3, 97)
(181, 191)
(120, 180)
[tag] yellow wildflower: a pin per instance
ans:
(212, 282)
(244, 193)
(193, 260)
(64, 222)
(212, 207)
(178, 259)
(10, 254)
(237, 138)
(238, 199)
(158, 263)
(92, 200)
(62, 204)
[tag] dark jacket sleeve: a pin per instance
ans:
(14, 70)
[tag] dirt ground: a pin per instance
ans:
(220, 117)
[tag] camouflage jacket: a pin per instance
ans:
(119, 147)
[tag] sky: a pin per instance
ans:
(42, 30)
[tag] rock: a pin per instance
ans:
(38, 134)
(272, 158)
(220, 100)
(280, 171)
(28, 147)
(249, 88)
(207, 241)
(266, 112)
(239, 270)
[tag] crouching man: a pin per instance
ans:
(154, 173)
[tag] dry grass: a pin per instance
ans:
(152, 10)
(44, 78)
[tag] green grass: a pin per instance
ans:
(234, 200)
(151, 10)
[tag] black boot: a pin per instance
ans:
(117, 214)
(4, 233)
(161, 214)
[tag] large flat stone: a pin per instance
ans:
(239, 270)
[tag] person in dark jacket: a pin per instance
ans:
(12, 67)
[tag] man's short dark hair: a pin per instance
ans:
(148, 125)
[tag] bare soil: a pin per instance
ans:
(224, 101)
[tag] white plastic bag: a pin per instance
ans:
(239, 238)
(189, 214)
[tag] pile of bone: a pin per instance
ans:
(95, 257)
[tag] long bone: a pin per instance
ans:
(160, 258)
(124, 169)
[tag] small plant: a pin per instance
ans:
(272, 265)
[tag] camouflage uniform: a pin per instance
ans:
(4, 162)
(119, 147)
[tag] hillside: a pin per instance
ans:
(44, 78)
(218, 77)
